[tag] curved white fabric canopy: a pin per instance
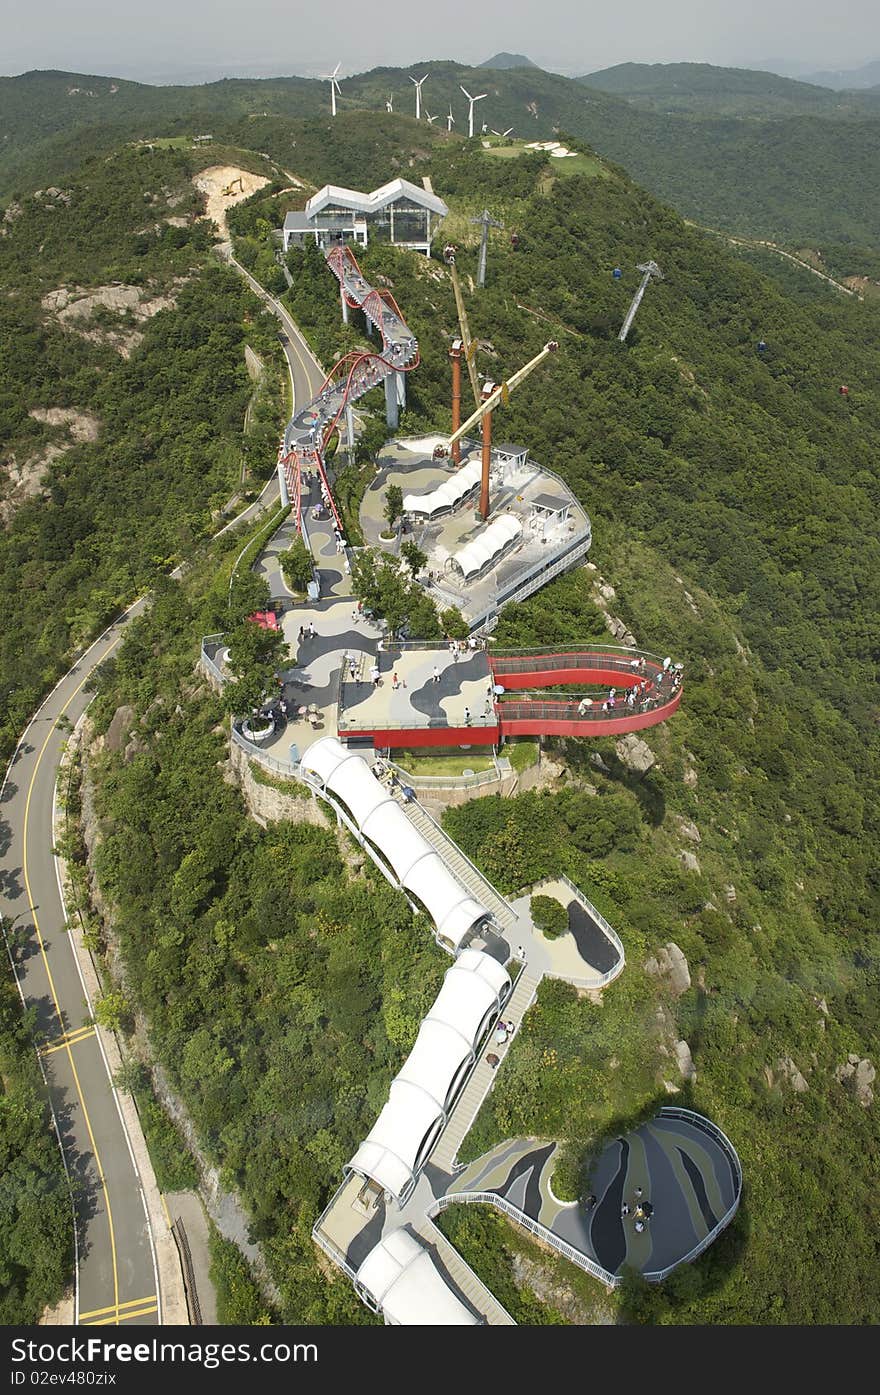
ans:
(415, 863)
(401, 844)
(475, 555)
(437, 1061)
(447, 494)
(452, 909)
(402, 1279)
(322, 758)
(475, 986)
(430, 1078)
(395, 1148)
(356, 785)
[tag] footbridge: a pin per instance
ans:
(646, 690)
(309, 430)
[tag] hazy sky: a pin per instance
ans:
(199, 39)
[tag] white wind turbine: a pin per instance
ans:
(502, 134)
(334, 87)
(450, 120)
(429, 118)
(389, 103)
(472, 101)
(418, 86)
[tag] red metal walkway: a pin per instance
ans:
(656, 695)
(350, 377)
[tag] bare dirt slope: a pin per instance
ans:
(214, 181)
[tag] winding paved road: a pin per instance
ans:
(116, 1272)
(116, 1279)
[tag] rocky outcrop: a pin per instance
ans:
(118, 729)
(857, 1075)
(685, 1061)
(635, 754)
(670, 963)
(789, 1071)
(266, 803)
(688, 830)
(689, 861)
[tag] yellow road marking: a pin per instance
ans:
(118, 1307)
(115, 1320)
(79, 1091)
(72, 1039)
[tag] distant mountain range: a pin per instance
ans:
(749, 152)
(704, 88)
(866, 76)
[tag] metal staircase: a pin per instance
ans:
(460, 866)
(480, 1081)
(464, 1278)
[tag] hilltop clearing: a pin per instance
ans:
(218, 184)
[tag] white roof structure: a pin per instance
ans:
(474, 556)
(447, 494)
(427, 1085)
(415, 863)
(335, 195)
(402, 1279)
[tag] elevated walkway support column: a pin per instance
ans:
(343, 302)
(349, 424)
(392, 405)
(282, 485)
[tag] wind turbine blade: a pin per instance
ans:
(336, 69)
(481, 96)
(466, 93)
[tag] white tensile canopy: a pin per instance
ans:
(429, 1081)
(474, 556)
(402, 1279)
(447, 494)
(415, 863)
(452, 909)
(400, 1141)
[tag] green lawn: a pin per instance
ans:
(521, 754)
(429, 763)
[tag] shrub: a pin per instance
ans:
(550, 917)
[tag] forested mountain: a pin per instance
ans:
(734, 497)
(123, 395)
(849, 79)
(702, 88)
(508, 60)
(799, 178)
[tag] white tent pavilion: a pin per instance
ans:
(400, 1279)
(476, 555)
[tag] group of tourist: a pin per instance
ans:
(646, 693)
(640, 1210)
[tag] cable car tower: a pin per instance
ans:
(651, 270)
(487, 222)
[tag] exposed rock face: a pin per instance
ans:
(730, 894)
(635, 754)
(787, 1068)
(598, 762)
(689, 862)
(81, 425)
(559, 1296)
(685, 1061)
(670, 963)
(858, 1075)
(688, 830)
(118, 729)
